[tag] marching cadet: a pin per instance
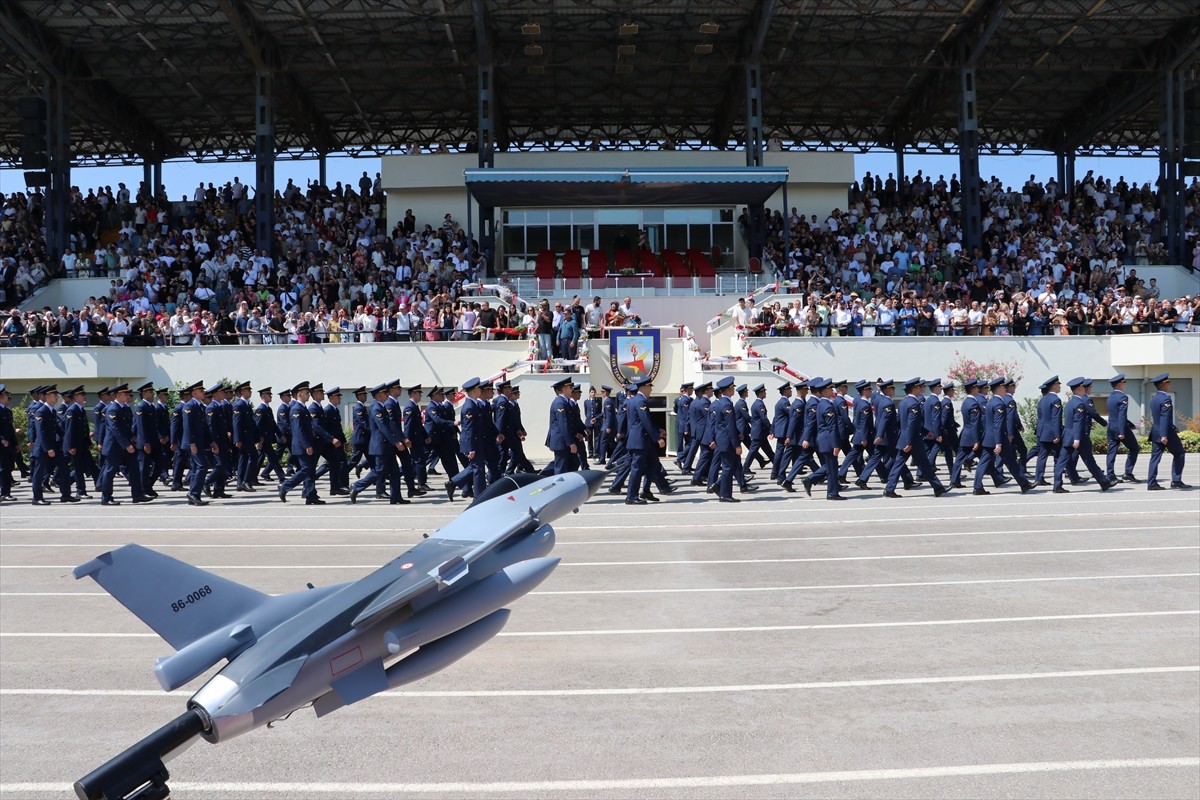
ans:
(518, 462)
(998, 434)
(621, 463)
(316, 396)
(1049, 429)
(181, 459)
(103, 398)
(935, 422)
(760, 431)
(304, 448)
(283, 421)
(682, 420)
(560, 438)
(802, 431)
(949, 424)
(1077, 419)
(221, 435)
(440, 428)
(1015, 424)
(910, 443)
(335, 455)
(1120, 432)
(269, 435)
(119, 445)
(605, 432)
(697, 419)
(9, 445)
(145, 434)
(45, 446)
(591, 420)
(245, 438)
(577, 425)
(487, 418)
(196, 441)
(386, 442)
(722, 432)
(702, 429)
(969, 443)
(643, 443)
(862, 435)
(506, 419)
(779, 432)
(395, 414)
(162, 417)
(416, 439)
(360, 433)
(77, 440)
(473, 476)
(741, 410)
(1164, 435)
(828, 439)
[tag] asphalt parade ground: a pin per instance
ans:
(787, 647)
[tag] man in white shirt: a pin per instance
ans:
(593, 314)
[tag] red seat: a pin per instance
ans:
(622, 260)
(597, 261)
(572, 264)
(648, 262)
(544, 268)
(701, 264)
(718, 256)
(674, 264)
(756, 266)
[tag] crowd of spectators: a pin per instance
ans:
(1052, 262)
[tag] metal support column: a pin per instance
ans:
(899, 164)
(58, 146)
(1171, 179)
(754, 117)
(147, 177)
(787, 228)
(486, 134)
(322, 168)
(757, 235)
(156, 178)
(264, 160)
(968, 161)
(1069, 172)
(1060, 171)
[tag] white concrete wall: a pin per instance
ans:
(1139, 357)
(1173, 280)
(69, 292)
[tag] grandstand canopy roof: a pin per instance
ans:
(703, 186)
(177, 77)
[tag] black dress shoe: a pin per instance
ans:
(1027, 488)
(353, 496)
(416, 492)
(893, 495)
(649, 496)
(788, 486)
(637, 501)
(109, 502)
(938, 491)
(807, 486)
(450, 487)
(314, 501)
(41, 502)
(196, 501)
(861, 484)
(69, 499)
(176, 487)
(245, 487)
(728, 500)
(697, 483)
(1156, 487)
(615, 490)
(835, 497)
(1105, 486)
(1044, 482)
(208, 491)
(957, 485)
(711, 490)
(748, 488)
(1131, 479)
(400, 501)
(223, 496)
(980, 492)
(1180, 485)
(1061, 490)
(143, 499)
(282, 495)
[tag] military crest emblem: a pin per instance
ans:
(634, 354)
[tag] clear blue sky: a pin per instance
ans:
(182, 176)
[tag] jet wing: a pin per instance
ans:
(420, 569)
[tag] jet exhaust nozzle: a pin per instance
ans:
(140, 773)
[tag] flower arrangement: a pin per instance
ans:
(966, 369)
(628, 271)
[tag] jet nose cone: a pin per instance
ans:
(595, 479)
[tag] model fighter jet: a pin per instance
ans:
(330, 646)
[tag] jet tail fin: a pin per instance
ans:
(179, 602)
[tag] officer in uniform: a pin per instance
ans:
(304, 448)
(621, 463)
(604, 424)
(862, 435)
(519, 462)
(779, 432)
(972, 433)
(578, 425)
(103, 398)
(487, 419)
(245, 438)
(1164, 435)
(828, 440)
(335, 453)
(470, 439)
(360, 434)
(741, 411)
(697, 421)
(1077, 419)
(440, 428)
(77, 439)
(222, 437)
(180, 459)
(643, 440)
(386, 442)
(949, 423)
(998, 435)
(283, 421)
(120, 449)
(417, 440)
(145, 435)
(162, 418)
(1120, 432)
(506, 423)
(269, 437)
(1015, 423)
(560, 438)
(802, 431)
(760, 432)
(911, 443)
(721, 431)
(591, 420)
(195, 441)
(46, 447)
(682, 422)
(935, 426)
(9, 445)
(1049, 429)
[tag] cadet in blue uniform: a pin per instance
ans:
(439, 426)
(700, 419)
(760, 432)
(828, 439)
(606, 434)
(47, 451)
(935, 413)
(335, 452)
(145, 434)
(862, 434)
(779, 432)
(244, 438)
(470, 439)
(972, 433)
(304, 448)
(722, 431)
(577, 425)
(196, 441)
(120, 448)
(268, 436)
(802, 430)
(519, 462)
(1077, 419)
(998, 433)
(283, 420)
(360, 433)
(9, 445)
(1120, 432)
(682, 422)
(222, 436)
(386, 442)
(181, 459)
(1049, 429)
(910, 443)
(103, 398)
(591, 420)
(416, 439)
(643, 443)
(507, 425)
(1164, 435)
(559, 437)
(162, 418)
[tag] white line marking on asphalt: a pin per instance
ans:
(746, 629)
(639, 784)
(684, 561)
(660, 690)
(730, 589)
(741, 540)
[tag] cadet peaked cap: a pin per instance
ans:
(417, 388)
(49, 387)
(1046, 384)
(124, 387)
(606, 389)
(762, 387)
(704, 387)
(996, 382)
(142, 388)
(1088, 381)
(265, 390)
(334, 390)
(433, 391)
(743, 388)
(558, 384)
(216, 387)
(801, 384)
(472, 383)
(1114, 380)
(317, 387)
(970, 383)
(486, 384)
(577, 387)
(164, 390)
(858, 387)
(934, 382)
(1010, 382)
(911, 382)
(301, 385)
(783, 387)
(359, 390)
(886, 384)
(687, 385)
(948, 386)
(632, 387)
(75, 391)
(378, 389)
(1157, 379)
(725, 383)
(284, 390)
(242, 385)
(1075, 383)
(393, 384)
(185, 390)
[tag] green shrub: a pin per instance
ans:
(1190, 440)
(1100, 441)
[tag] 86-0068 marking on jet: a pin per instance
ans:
(194, 597)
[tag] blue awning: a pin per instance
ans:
(641, 186)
